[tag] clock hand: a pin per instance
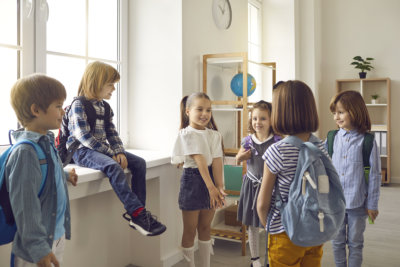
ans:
(222, 10)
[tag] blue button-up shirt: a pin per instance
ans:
(348, 160)
(35, 216)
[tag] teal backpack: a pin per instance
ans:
(368, 142)
(8, 227)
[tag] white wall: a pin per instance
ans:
(278, 31)
(367, 28)
(315, 41)
(155, 72)
(200, 36)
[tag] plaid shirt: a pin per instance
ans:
(103, 140)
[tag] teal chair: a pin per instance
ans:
(233, 178)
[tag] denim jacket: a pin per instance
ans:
(35, 216)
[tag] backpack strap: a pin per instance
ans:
(92, 115)
(42, 161)
(331, 138)
(89, 111)
(368, 143)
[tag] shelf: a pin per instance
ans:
(376, 105)
(364, 80)
(378, 128)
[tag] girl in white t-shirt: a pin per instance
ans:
(199, 147)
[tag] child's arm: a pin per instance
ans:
(48, 260)
(24, 179)
(242, 155)
(80, 129)
(216, 197)
(72, 177)
(218, 178)
(113, 137)
(374, 183)
(265, 194)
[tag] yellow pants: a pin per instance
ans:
(283, 253)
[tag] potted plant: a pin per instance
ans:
(363, 65)
(374, 98)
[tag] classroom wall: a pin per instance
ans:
(200, 36)
(315, 41)
(155, 73)
(370, 29)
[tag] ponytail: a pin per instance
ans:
(184, 117)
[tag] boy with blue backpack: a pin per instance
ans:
(300, 188)
(39, 203)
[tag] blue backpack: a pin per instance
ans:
(8, 227)
(316, 206)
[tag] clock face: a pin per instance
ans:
(222, 13)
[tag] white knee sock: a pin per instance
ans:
(254, 244)
(205, 250)
(188, 254)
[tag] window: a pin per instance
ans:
(254, 46)
(59, 38)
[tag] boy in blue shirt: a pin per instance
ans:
(43, 223)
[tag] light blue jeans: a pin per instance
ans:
(352, 234)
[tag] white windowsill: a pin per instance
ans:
(92, 181)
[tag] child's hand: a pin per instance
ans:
(47, 261)
(222, 197)
(178, 166)
(121, 159)
(73, 177)
(242, 155)
(217, 197)
(373, 214)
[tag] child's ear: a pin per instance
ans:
(35, 110)
(187, 112)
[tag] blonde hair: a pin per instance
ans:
(36, 89)
(96, 75)
(293, 109)
(354, 104)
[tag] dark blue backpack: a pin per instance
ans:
(8, 227)
(316, 205)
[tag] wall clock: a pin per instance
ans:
(222, 13)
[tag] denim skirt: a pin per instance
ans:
(193, 193)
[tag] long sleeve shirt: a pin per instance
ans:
(103, 139)
(348, 160)
(37, 217)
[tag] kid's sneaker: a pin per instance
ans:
(145, 223)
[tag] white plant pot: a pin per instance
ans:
(374, 101)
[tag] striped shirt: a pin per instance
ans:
(281, 159)
(103, 140)
(348, 161)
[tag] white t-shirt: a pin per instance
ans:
(191, 141)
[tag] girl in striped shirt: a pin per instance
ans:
(294, 113)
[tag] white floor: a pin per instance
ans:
(381, 248)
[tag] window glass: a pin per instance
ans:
(66, 30)
(68, 71)
(103, 29)
(8, 16)
(8, 76)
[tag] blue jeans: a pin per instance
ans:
(131, 198)
(352, 234)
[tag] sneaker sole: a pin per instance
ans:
(144, 232)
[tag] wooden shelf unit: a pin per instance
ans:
(379, 112)
(238, 62)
